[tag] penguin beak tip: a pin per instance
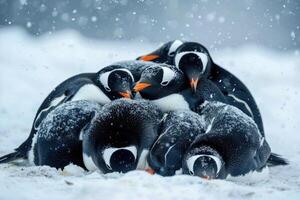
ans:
(206, 177)
(150, 171)
(127, 94)
(194, 83)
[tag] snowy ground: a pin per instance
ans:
(30, 68)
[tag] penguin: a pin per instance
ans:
(115, 137)
(167, 87)
(196, 63)
(120, 138)
(232, 144)
(109, 83)
(185, 100)
(218, 141)
(160, 80)
(178, 130)
(58, 141)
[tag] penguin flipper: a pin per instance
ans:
(276, 160)
(237, 93)
(11, 157)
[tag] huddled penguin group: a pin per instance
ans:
(173, 110)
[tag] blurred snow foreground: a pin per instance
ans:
(31, 68)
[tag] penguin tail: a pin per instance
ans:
(275, 160)
(11, 157)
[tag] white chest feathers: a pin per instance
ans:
(91, 92)
(172, 102)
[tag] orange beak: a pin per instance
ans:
(206, 177)
(194, 83)
(126, 94)
(150, 171)
(140, 86)
(148, 57)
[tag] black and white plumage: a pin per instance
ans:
(120, 138)
(218, 141)
(196, 63)
(58, 141)
(110, 83)
(177, 132)
(167, 87)
(232, 144)
(113, 137)
(160, 80)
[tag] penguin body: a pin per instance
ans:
(232, 144)
(177, 132)
(120, 138)
(175, 95)
(58, 141)
(109, 83)
(196, 63)
(218, 141)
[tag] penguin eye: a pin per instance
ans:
(168, 75)
(174, 47)
(202, 56)
(165, 83)
(108, 152)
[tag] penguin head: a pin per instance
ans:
(122, 131)
(117, 158)
(204, 162)
(116, 83)
(190, 57)
(195, 62)
(159, 81)
(113, 148)
(164, 54)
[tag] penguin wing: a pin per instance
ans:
(62, 93)
(58, 140)
(236, 93)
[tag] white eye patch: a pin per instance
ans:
(104, 80)
(105, 76)
(174, 46)
(107, 153)
(168, 75)
(191, 161)
(203, 57)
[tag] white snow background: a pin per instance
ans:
(31, 68)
